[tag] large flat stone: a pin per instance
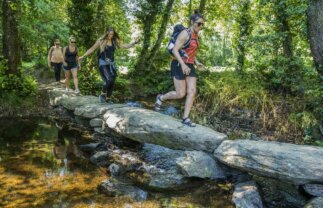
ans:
(147, 126)
(298, 164)
(69, 99)
(95, 110)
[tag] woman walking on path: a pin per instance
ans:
(71, 64)
(107, 45)
(55, 59)
(182, 68)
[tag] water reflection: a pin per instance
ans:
(41, 166)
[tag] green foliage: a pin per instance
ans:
(220, 91)
(123, 89)
(154, 82)
(306, 121)
(275, 53)
(82, 21)
(18, 84)
(40, 22)
(89, 79)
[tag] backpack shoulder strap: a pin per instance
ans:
(189, 38)
(51, 51)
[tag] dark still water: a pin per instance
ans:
(41, 166)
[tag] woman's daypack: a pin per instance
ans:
(177, 30)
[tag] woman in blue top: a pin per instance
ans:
(107, 45)
(71, 64)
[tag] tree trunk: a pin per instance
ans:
(189, 12)
(148, 19)
(244, 31)
(223, 50)
(315, 33)
(99, 18)
(142, 59)
(285, 29)
(11, 49)
(291, 70)
(202, 6)
(161, 33)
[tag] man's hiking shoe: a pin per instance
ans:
(158, 103)
(102, 99)
(188, 122)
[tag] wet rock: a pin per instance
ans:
(201, 165)
(315, 203)
(89, 147)
(81, 121)
(246, 195)
(279, 194)
(115, 169)
(314, 189)
(100, 158)
(96, 122)
(160, 170)
(235, 176)
(116, 140)
(147, 126)
(126, 160)
(99, 130)
(297, 164)
(115, 187)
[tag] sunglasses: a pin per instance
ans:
(57, 43)
(73, 41)
(200, 24)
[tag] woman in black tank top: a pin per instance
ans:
(107, 45)
(71, 64)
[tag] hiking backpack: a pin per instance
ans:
(177, 30)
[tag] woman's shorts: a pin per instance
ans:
(70, 67)
(177, 72)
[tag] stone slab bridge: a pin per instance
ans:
(296, 164)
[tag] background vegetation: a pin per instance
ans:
(264, 58)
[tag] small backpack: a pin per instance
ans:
(177, 30)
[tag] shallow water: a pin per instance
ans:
(41, 166)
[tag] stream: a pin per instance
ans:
(42, 166)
